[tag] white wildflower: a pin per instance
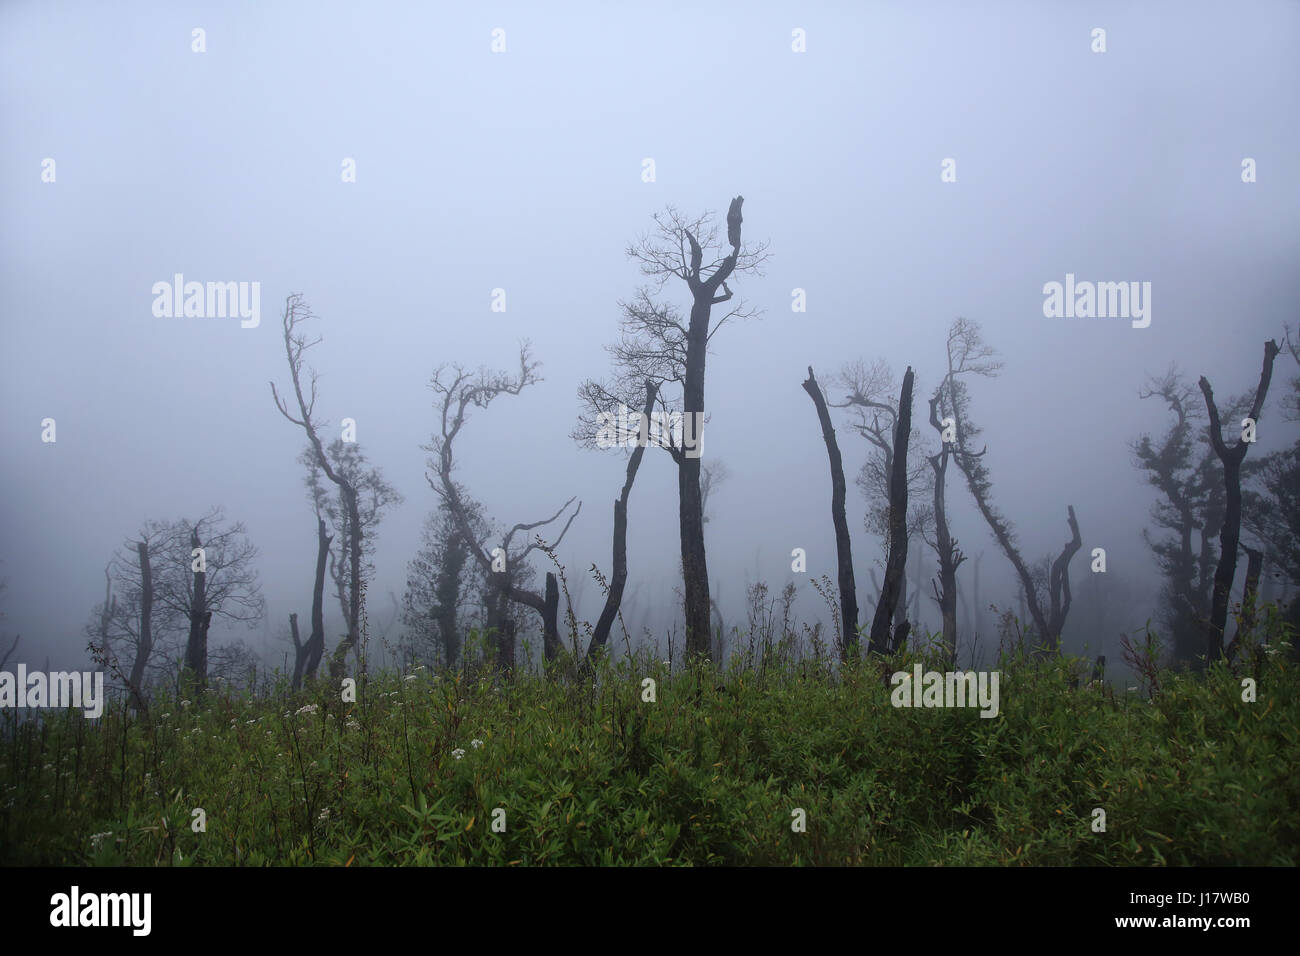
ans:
(185, 703)
(305, 709)
(352, 725)
(409, 677)
(476, 743)
(458, 753)
(324, 814)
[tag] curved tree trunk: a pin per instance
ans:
(618, 580)
(843, 544)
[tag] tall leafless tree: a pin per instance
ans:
(296, 312)
(871, 398)
(966, 355)
(1231, 457)
(658, 344)
(843, 543)
(882, 641)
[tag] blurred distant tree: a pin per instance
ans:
(1049, 620)
(371, 496)
(457, 390)
(441, 581)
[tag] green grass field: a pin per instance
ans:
(711, 772)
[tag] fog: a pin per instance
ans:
(522, 170)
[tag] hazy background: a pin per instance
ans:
(522, 170)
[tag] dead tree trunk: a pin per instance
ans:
(1230, 536)
(843, 544)
(196, 646)
(294, 345)
(1254, 564)
(456, 399)
(881, 641)
(338, 662)
(950, 556)
(1048, 628)
(1058, 585)
(618, 579)
(145, 647)
(299, 658)
(315, 647)
(695, 570)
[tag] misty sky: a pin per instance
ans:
(522, 170)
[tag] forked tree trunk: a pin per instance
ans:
(1230, 536)
(843, 544)
(695, 571)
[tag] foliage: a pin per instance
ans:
(589, 773)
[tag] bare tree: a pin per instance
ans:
(658, 344)
(843, 544)
(206, 572)
(128, 625)
(618, 578)
(1230, 536)
(872, 402)
(458, 389)
(966, 355)
(1048, 622)
(944, 544)
(881, 640)
(1191, 506)
(296, 312)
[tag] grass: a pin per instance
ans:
(589, 773)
